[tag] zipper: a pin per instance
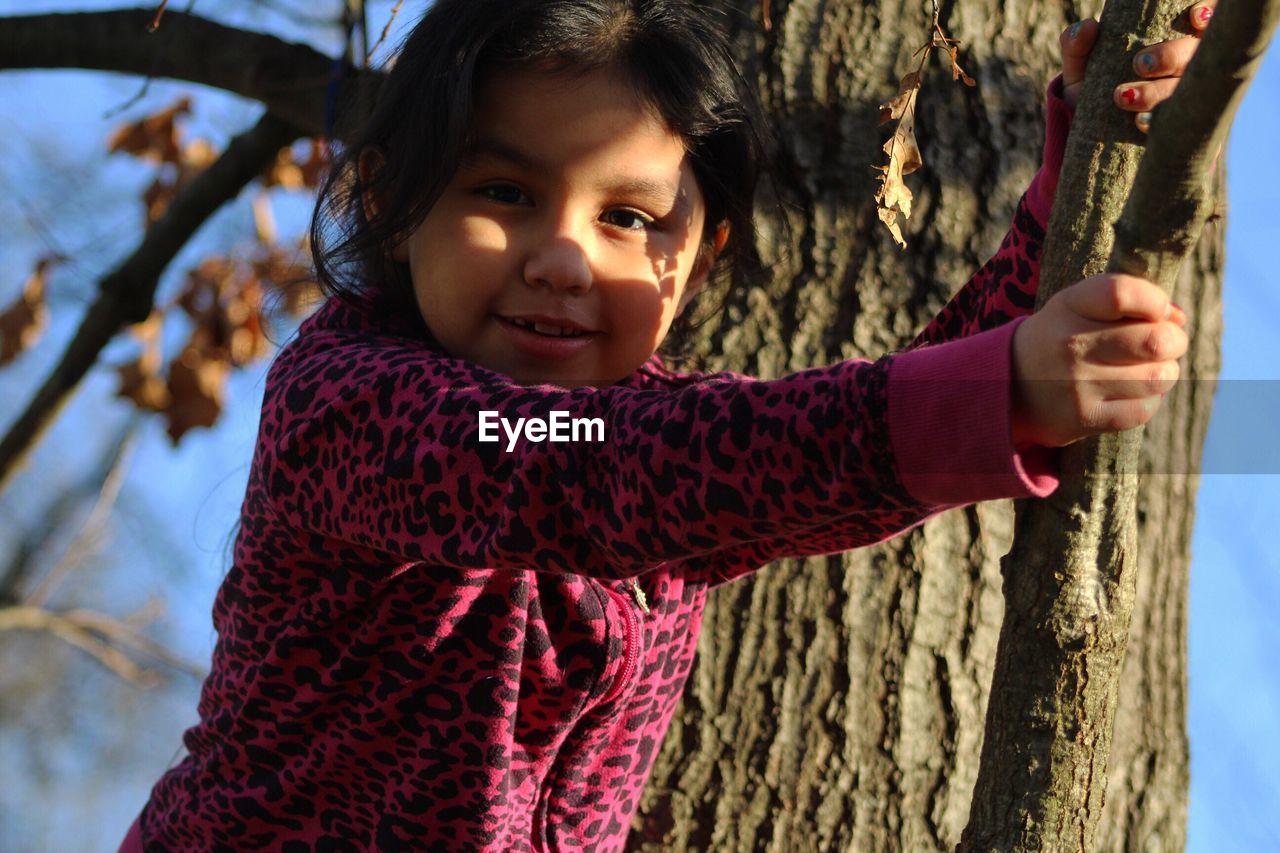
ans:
(632, 641)
(631, 653)
(638, 594)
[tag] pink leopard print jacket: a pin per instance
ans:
(426, 642)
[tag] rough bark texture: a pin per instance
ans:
(839, 703)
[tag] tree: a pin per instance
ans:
(841, 701)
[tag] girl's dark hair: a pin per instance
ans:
(671, 51)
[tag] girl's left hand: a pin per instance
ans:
(1158, 67)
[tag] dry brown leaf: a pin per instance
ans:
(197, 155)
(278, 271)
(894, 198)
(315, 164)
(147, 390)
(288, 172)
(22, 323)
(158, 197)
(140, 380)
(264, 221)
(908, 88)
(957, 73)
(284, 172)
(200, 294)
(247, 340)
(197, 384)
(153, 138)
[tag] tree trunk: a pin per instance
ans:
(839, 703)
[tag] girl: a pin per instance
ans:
(433, 640)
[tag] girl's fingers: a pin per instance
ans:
(1136, 382)
(1166, 59)
(1116, 415)
(1115, 296)
(1201, 14)
(1135, 343)
(1142, 97)
(1077, 43)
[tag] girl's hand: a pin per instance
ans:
(1158, 67)
(1099, 357)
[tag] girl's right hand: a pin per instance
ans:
(1098, 357)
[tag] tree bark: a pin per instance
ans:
(839, 703)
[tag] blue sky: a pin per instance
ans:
(62, 188)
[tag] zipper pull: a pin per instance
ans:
(638, 594)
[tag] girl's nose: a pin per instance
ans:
(558, 261)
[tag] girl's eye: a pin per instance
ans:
(504, 194)
(628, 220)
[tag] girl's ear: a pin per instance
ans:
(371, 163)
(702, 264)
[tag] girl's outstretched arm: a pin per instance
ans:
(376, 441)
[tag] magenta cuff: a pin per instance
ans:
(949, 423)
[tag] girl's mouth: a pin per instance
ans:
(544, 340)
(549, 329)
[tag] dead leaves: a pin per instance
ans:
(894, 198)
(158, 139)
(22, 323)
(224, 300)
(288, 172)
(154, 137)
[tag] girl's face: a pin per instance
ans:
(566, 243)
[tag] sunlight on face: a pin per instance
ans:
(564, 247)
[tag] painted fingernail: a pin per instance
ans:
(1129, 96)
(1144, 121)
(1146, 63)
(1075, 29)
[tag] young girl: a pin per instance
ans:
(433, 640)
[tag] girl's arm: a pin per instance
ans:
(376, 442)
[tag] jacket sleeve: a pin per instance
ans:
(1005, 287)
(376, 443)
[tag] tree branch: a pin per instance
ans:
(1070, 578)
(105, 638)
(126, 295)
(292, 80)
(53, 518)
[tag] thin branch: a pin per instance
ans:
(395, 10)
(89, 537)
(128, 293)
(155, 22)
(290, 79)
(50, 521)
(98, 635)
